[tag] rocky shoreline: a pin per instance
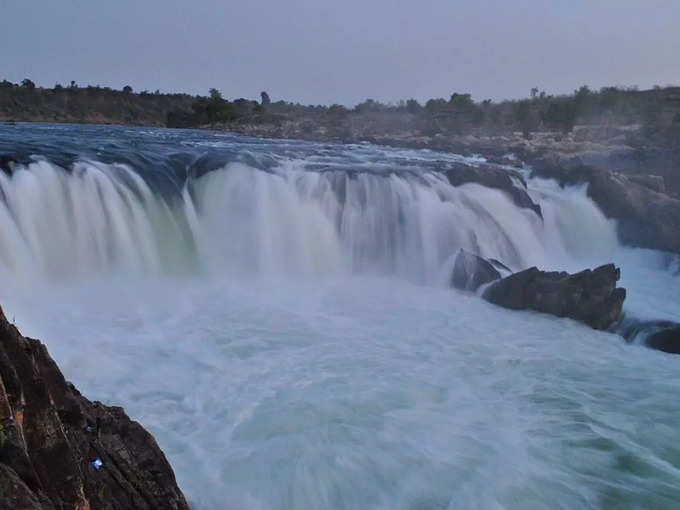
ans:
(60, 451)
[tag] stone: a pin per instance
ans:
(666, 339)
(509, 181)
(590, 296)
(51, 433)
(472, 271)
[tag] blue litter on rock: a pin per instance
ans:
(97, 463)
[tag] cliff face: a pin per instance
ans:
(51, 434)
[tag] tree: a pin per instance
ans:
(534, 93)
(435, 105)
(370, 105)
(215, 95)
(265, 98)
(522, 112)
(28, 84)
(561, 114)
(413, 106)
(127, 89)
(74, 85)
(57, 86)
(462, 101)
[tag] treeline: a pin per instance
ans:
(657, 109)
(87, 104)
(460, 114)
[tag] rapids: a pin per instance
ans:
(278, 314)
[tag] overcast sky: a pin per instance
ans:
(321, 51)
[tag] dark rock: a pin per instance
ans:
(666, 339)
(15, 494)
(49, 442)
(509, 181)
(645, 218)
(589, 296)
(653, 182)
(657, 334)
(472, 271)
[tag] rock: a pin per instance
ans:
(653, 182)
(666, 339)
(509, 181)
(15, 494)
(657, 334)
(472, 271)
(500, 266)
(589, 296)
(645, 218)
(51, 433)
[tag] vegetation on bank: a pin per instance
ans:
(458, 114)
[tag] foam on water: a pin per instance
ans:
(282, 324)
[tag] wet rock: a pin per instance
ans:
(51, 433)
(590, 296)
(472, 271)
(657, 334)
(509, 181)
(666, 339)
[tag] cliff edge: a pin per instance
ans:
(58, 450)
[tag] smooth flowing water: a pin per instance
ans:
(277, 314)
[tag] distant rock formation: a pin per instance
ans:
(589, 296)
(472, 271)
(51, 437)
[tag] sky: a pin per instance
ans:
(343, 51)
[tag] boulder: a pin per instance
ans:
(51, 434)
(589, 296)
(666, 339)
(508, 181)
(472, 271)
(662, 335)
(645, 217)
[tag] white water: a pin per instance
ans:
(291, 345)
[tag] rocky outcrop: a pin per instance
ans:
(472, 271)
(645, 217)
(589, 296)
(51, 434)
(509, 181)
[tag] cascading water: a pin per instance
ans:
(97, 217)
(278, 314)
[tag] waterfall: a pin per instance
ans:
(61, 223)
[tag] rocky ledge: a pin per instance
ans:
(60, 451)
(590, 296)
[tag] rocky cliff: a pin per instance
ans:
(58, 450)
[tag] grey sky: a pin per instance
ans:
(320, 51)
